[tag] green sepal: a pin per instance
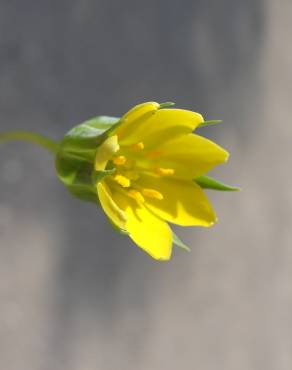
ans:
(86, 137)
(97, 176)
(166, 104)
(210, 122)
(76, 174)
(93, 127)
(176, 241)
(207, 182)
(75, 158)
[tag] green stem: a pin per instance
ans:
(40, 140)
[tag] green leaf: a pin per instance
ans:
(210, 123)
(207, 182)
(176, 241)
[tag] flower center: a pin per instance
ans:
(130, 163)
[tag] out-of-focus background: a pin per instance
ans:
(74, 294)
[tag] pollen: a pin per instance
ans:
(123, 181)
(138, 146)
(151, 193)
(136, 195)
(119, 160)
(164, 171)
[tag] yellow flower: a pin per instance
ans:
(156, 157)
(147, 169)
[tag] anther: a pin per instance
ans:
(136, 195)
(122, 180)
(119, 160)
(164, 171)
(151, 193)
(138, 146)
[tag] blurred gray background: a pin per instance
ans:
(74, 294)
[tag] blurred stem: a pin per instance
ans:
(37, 139)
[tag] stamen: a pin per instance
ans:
(123, 181)
(151, 193)
(136, 195)
(138, 146)
(119, 160)
(164, 171)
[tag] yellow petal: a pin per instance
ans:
(134, 117)
(105, 152)
(189, 155)
(111, 209)
(149, 232)
(161, 126)
(184, 202)
(140, 109)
